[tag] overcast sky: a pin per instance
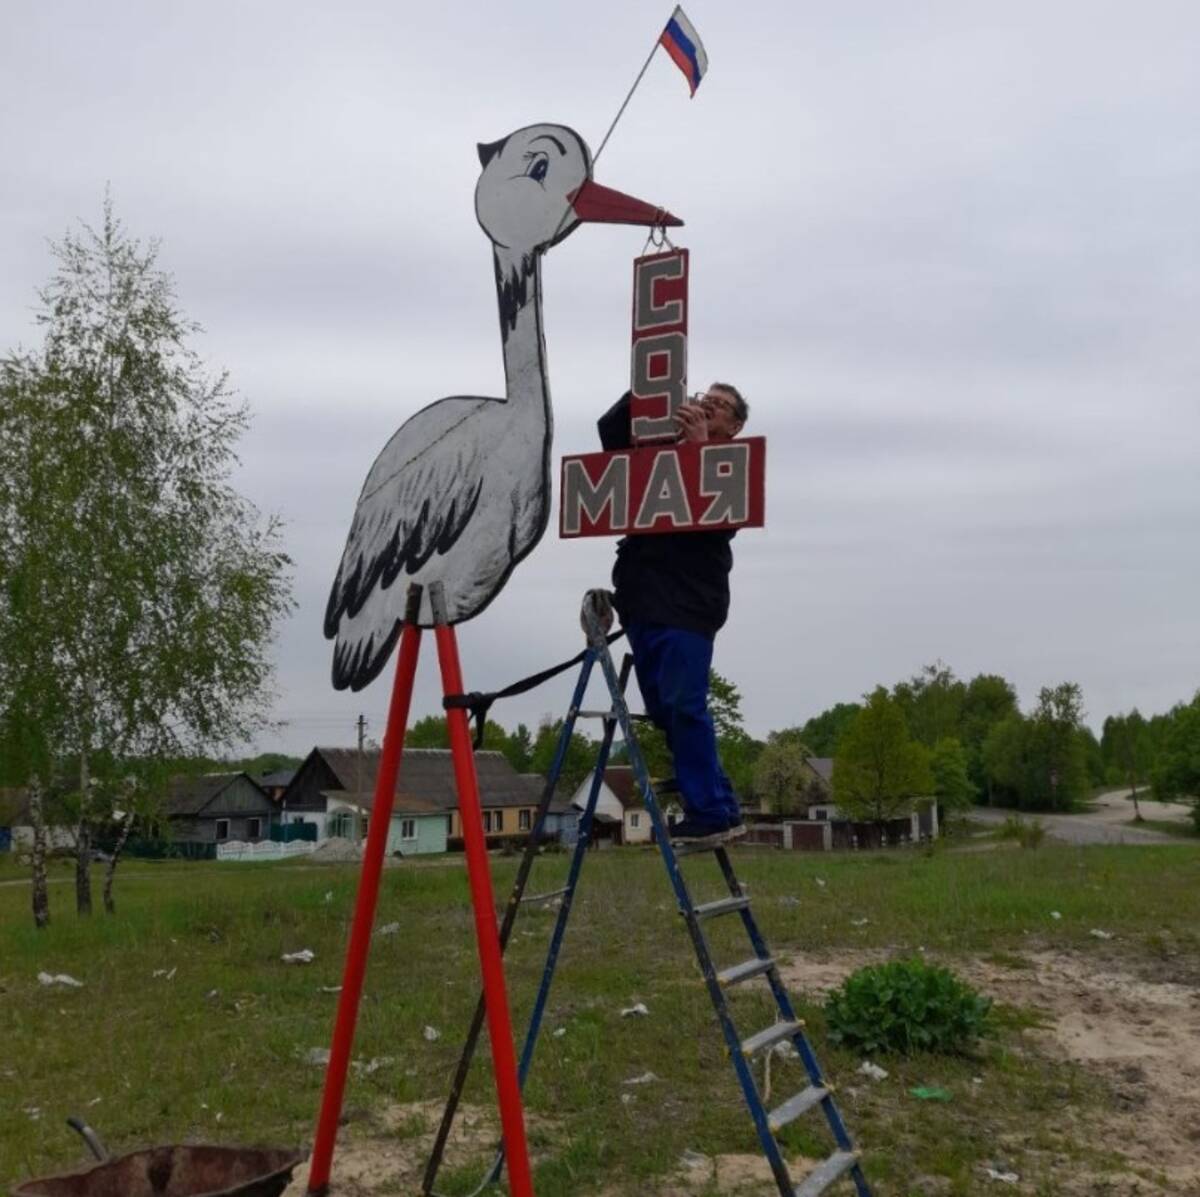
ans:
(949, 251)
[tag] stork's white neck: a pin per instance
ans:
(519, 296)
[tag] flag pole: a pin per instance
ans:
(625, 102)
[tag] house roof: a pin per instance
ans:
(281, 777)
(426, 780)
(620, 779)
(822, 766)
(189, 795)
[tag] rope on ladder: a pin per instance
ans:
(478, 704)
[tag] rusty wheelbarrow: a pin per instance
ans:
(183, 1170)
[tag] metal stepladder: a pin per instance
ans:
(844, 1161)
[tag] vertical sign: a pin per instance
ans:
(659, 368)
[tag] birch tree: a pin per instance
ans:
(140, 591)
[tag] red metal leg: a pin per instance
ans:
(364, 912)
(504, 1060)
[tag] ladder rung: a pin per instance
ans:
(744, 971)
(821, 1177)
(609, 714)
(771, 1036)
(725, 906)
(791, 1109)
(554, 893)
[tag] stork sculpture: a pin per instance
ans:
(461, 492)
(459, 495)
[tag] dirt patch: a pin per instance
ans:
(1142, 1037)
(387, 1151)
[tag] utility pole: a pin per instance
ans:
(361, 724)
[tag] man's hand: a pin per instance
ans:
(691, 423)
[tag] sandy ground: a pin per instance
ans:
(1140, 1036)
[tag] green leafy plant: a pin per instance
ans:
(906, 1006)
(1028, 835)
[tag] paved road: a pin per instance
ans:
(1107, 824)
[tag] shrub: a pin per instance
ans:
(1028, 835)
(906, 1006)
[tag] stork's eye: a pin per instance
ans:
(538, 166)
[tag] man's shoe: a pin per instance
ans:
(706, 831)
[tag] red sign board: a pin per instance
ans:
(665, 488)
(661, 484)
(658, 371)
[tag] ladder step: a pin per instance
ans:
(725, 906)
(554, 893)
(609, 714)
(744, 971)
(821, 1177)
(795, 1106)
(771, 1036)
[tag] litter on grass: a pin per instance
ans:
(59, 979)
(1096, 933)
(304, 956)
(388, 929)
(638, 1010)
(367, 1067)
(645, 1079)
(1008, 1178)
(432, 1034)
(873, 1071)
(931, 1093)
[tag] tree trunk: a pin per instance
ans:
(1137, 810)
(110, 906)
(83, 843)
(41, 894)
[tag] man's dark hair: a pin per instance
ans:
(741, 408)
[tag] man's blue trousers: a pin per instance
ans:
(672, 670)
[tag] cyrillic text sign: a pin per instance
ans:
(658, 373)
(664, 488)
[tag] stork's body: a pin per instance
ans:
(461, 492)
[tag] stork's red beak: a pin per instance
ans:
(603, 205)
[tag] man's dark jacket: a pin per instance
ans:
(679, 579)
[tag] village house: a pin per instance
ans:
(621, 816)
(214, 808)
(816, 823)
(16, 826)
(334, 789)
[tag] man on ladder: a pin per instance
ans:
(672, 594)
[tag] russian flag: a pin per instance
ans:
(682, 42)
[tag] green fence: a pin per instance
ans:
(288, 832)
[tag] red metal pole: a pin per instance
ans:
(364, 912)
(504, 1060)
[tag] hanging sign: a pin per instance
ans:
(661, 484)
(658, 374)
(668, 488)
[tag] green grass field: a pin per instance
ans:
(216, 1050)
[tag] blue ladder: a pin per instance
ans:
(844, 1160)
